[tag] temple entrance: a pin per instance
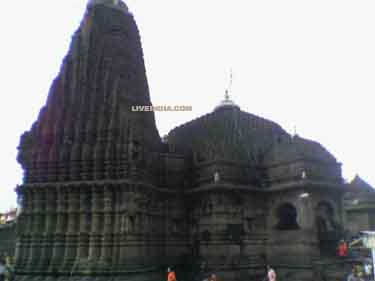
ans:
(328, 229)
(287, 217)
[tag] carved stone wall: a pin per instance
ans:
(97, 228)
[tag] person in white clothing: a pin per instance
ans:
(271, 274)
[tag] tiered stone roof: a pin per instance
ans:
(87, 128)
(230, 134)
(361, 195)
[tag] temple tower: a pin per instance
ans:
(89, 161)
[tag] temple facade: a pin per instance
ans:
(103, 195)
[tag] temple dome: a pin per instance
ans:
(232, 135)
(240, 136)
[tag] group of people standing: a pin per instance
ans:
(172, 276)
(271, 275)
(360, 273)
(355, 275)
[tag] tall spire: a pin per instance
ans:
(101, 78)
(227, 91)
(227, 102)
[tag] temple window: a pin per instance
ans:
(329, 231)
(325, 217)
(287, 217)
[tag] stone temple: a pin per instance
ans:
(104, 198)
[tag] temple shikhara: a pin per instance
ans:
(105, 197)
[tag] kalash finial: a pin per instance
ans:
(116, 4)
(227, 102)
(227, 91)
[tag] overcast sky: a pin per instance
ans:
(304, 64)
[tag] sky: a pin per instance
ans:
(307, 65)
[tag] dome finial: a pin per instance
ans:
(226, 96)
(227, 102)
(228, 90)
(116, 4)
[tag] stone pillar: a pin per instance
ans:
(146, 238)
(116, 227)
(28, 237)
(59, 241)
(107, 244)
(23, 230)
(41, 248)
(34, 242)
(96, 225)
(50, 226)
(84, 222)
(125, 232)
(71, 242)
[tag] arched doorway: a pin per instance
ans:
(329, 231)
(286, 217)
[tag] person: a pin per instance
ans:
(202, 274)
(271, 274)
(2, 269)
(171, 275)
(213, 277)
(343, 249)
(8, 268)
(216, 177)
(353, 276)
(368, 269)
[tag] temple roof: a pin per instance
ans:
(227, 135)
(236, 135)
(361, 185)
(88, 113)
(294, 147)
(361, 195)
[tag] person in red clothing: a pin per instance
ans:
(171, 275)
(343, 249)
